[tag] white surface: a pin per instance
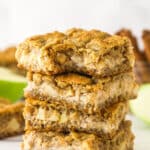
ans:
(142, 134)
(11, 143)
(141, 131)
(23, 18)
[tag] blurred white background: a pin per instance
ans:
(22, 18)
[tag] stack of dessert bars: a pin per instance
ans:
(79, 85)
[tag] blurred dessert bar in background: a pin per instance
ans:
(11, 118)
(142, 58)
(8, 60)
(7, 57)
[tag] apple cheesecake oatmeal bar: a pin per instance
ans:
(82, 92)
(79, 85)
(42, 116)
(11, 119)
(91, 52)
(123, 140)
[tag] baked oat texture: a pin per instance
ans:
(8, 60)
(81, 92)
(42, 116)
(11, 119)
(123, 140)
(89, 52)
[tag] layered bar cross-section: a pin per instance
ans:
(42, 116)
(123, 140)
(81, 92)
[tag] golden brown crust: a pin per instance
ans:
(72, 78)
(76, 50)
(11, 119)
(123, 140)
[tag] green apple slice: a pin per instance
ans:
(141, 106)
(11, 84)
